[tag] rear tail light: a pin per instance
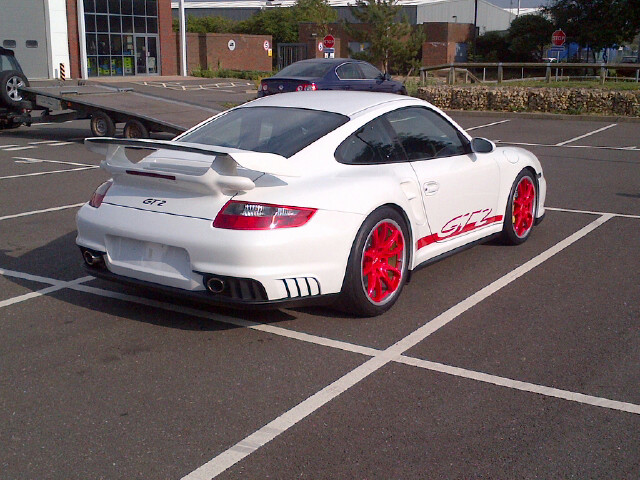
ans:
(98, 196)
(264, 87)
(261, 216)
(307, 87)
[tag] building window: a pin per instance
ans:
(121, 37)
(31, 44)
(9, 44)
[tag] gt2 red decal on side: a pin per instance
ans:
(459, 225)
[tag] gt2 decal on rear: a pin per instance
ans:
(154, 201)
(459, 225)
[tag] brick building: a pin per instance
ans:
(90, 38)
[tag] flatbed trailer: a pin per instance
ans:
(105, 107)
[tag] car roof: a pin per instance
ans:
(5, 51)
(336, 101)
(330, 61)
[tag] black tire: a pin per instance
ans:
(10, 82)
(135, 129)
(102, 125)
(9, 126)
(520, 213)
(360, 299)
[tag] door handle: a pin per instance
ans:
(431, 188)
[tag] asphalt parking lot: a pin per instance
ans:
(496, 363)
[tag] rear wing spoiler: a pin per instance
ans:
(222, 174)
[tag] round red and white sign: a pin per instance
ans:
(266, 45)
(320, 46)
(329, 41)
(558, 38)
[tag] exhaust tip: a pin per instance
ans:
(215, 285)
(92, 259)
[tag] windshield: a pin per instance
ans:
(304, 69)
(280, 130)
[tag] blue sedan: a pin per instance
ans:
(330, 74)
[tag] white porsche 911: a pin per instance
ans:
(304, 197)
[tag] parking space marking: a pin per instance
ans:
(254, 441)
(487, 125)
(570, 210)
(44, 291)
(46, 210)
(35, 174)
(13, 149)
(7, 146)
(39, 160)
(522, 386)
(314, 339)
(590, 147)
(586, 135)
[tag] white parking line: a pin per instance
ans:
(586, 135)
(43, 142)
(36, 174)
(569, 210)
(589, 147)
(523, 386)
(44, 291)
(2, 147)
(487, 125)
(46, 210)
(39, 160)
(285, 421)
(13, 149)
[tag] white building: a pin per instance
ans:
(490, 17)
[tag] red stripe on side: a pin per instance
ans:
(429, 239)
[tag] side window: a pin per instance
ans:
(348, 71)
(370, 72)
(424, 134)
(372, 143)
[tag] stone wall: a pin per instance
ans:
(523, 99)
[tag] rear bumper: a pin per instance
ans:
(206, 297)
(287, 264)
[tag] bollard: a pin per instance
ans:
(63, 76)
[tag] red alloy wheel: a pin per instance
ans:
(382, 261)
(523, 206)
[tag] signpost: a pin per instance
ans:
(557, 39)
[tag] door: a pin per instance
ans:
(459, 188)
(146, 54)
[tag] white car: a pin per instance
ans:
(304, 197)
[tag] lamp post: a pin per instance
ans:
(183, 41)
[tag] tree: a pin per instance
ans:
(596, 23)
(492, 47)
(279, 22)
(393, 43)
(316, 11)
(527, 37)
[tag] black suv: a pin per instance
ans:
(12, 106)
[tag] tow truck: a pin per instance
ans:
(103, 105)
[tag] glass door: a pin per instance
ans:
(146, 54)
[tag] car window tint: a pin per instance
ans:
(303, 69)
(424, 134)
(348, 71)
(279, 130)
(370, 144)
(7, 62)
(370, 72)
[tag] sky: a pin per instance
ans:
(514, 3)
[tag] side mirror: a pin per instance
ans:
(482, 145)
(387, 76)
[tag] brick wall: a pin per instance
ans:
(74, 46)
(168, 50)
(211, 51)
(441, 40)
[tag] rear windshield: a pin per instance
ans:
(280, 130)
(303, 69)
